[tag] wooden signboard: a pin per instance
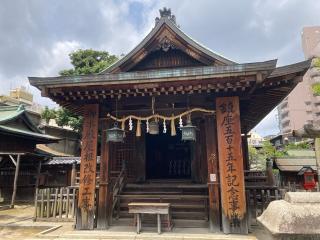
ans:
(85, 215)
(233, 199)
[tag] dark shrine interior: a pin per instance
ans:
(167, 157)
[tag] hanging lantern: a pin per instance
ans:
(115, 134)
(153, 127)
(188, 132)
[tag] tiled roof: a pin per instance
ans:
(26, 129)
(47, 150)
(295, 164)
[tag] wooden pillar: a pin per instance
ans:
(245, 151)
(37, 182)
(15, 182)
(86, 202)
(104, 191)
(213, 174)
(38, 175)
(73, 174)
(140, 157)
(233, 200)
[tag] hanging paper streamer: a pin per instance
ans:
(173, 128)
(138, 132)
(180, 122)
(158, 117)
(147, 124)
(130, 124)
(123, 125)
(164, 126)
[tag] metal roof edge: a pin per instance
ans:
(155, 74)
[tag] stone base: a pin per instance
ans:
(295, 217)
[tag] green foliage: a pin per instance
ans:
(48, 114)
(298, 146)
(88, 61)
(258, 157)
(316, 62)
(270, 151)
(63, 117)
(316, 89)
(66, 118)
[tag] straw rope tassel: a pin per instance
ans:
(173, 128)
(138, 132)
(123, 125)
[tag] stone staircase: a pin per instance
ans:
(189, 202)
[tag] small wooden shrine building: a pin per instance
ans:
(157, 88)
(20, 160)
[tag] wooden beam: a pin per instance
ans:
(15, 182)
(86, 202)
(213, 174)
(233, 200)
(13, 161)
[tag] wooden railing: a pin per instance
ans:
(55, 204)
(117, 188)
(258, 199)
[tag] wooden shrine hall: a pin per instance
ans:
(171, 118)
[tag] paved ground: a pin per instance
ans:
(17, 224)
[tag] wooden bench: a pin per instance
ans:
(150, 208)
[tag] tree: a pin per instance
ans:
(48, 114)
(66, 118)
(258, 158)
(86, 61)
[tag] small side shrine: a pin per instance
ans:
(18, 142)
(174, 112)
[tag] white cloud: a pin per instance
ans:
(269, 125)
(36, 38)
(56, 58)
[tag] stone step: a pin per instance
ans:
(150, 234)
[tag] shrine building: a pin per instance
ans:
(169, 121)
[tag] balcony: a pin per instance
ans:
(317, 99)
(286, 129)
(284, 113)
(283, 105)
(308, 108)
(285, 121)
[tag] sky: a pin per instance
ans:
(36, 36)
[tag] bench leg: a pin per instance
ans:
(169, 222)
(138, 223)
(159, 223)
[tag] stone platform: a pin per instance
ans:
(128, 233)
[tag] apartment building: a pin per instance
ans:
(301, 106)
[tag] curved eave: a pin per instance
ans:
(273, 90)
(153, 75)
(37, 137)
(15, 112)
(175, 29)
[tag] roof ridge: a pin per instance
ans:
(168, 22)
